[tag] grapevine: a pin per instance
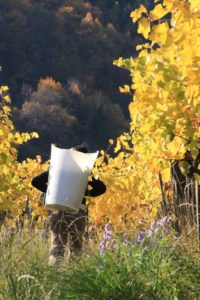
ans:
(15, 177)
(164, 115)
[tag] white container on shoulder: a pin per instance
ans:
(68, 178)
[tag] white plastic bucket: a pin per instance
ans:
(68, 178)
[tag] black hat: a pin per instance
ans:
(82, 147)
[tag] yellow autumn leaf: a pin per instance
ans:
(6, 109)
(168, 4)
(145, 128)
(125, 89)
(5, 88)
(186, 108)
(187, 55)
(144, 27)
(90, 188)
(181, 153)
(7, 99)
(118, 147)
(111, 142)
(35, 135)
(195, 4)
(136, 14)
(166, 175)
(144, 46)
(158, 12)
(172, 147)
(159, 33)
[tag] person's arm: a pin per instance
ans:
(98, 188)
(40, 181)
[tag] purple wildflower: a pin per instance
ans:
(140, 237)
(102, 246)
(107, 227)
(107, 235)
(106, 239)
(162, 221)
(158, 226)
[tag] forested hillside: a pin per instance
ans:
(56, 56)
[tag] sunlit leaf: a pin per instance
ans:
(158, 12)
(166, 174)
(144, 27)
(195, 4)
(159, 33)
(136, 14)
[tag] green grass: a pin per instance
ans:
(156, 269)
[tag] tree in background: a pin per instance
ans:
(64, 40)
(71, 112)
(44, 111)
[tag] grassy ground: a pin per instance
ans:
(157, 268)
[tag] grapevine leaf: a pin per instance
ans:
(166, 175)
(136, 14)
(159, 33)
(144, 27)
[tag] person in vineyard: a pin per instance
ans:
(63, 224)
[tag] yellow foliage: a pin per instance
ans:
(195, 4)
(15, 177)
(159, 33)
(144, 27)
(164, 115)
(166, 174)
(158, 12)
(125, 89)
(136, 14)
